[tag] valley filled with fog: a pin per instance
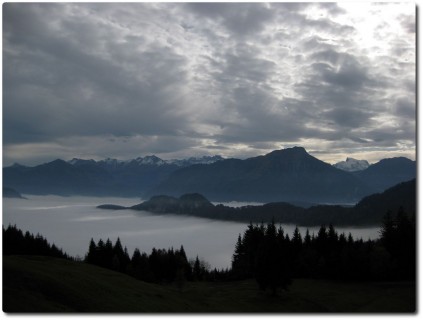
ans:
(70, 223)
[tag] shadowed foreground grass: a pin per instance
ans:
(42, 284)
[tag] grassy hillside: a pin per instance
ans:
(42, 284)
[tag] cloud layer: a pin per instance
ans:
(237, 79)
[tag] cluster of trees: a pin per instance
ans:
(107, 255)
(160, 266)
(269, 255)
(263, 252)
(398, 237)
(17, 242)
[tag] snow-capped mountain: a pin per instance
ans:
(195, 160)
(148, 161)
(78, 162)
(352, 165)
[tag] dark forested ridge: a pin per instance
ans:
(369, 211)
(289, 175)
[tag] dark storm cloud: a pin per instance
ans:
(259, 118)
(405, 108)
(171, 78)
(349, 74)
(247, 68)
(337, 80)
(348, 118)
(56, 78)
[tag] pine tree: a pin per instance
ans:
(239, 259)
(297, 241)
(388, 234)
(307, 239)
(91, 256)
(197, 270)
(183, 254)
(136, 257)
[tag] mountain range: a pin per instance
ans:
(152, 160)
(290, 175)
(106, 177)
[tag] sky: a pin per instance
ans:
(98, 80)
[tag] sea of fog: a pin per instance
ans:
(70, 223)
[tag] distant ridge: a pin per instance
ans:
(388, 172)
(369, 211)
(290, 175)
(281, 175)
(108, 177)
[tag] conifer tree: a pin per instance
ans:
(239, 262)
(91, 256)
(307, 239)
(197, 269)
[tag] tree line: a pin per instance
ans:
(17, 242)
(273, 258)
(160, 266)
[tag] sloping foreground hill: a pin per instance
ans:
(42, 284)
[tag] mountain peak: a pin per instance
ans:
(57, 162)
(195, 160)
(294, 151)
(297, 150)
(17, 165)
(77, 161)
(352, 165)
(150, 160)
